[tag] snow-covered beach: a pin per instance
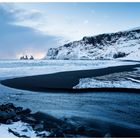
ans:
(125, 76)
(111, 114)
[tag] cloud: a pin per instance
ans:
(93, 11)
(86, 22)
(106, 16)
(16, 40)
(98, 24)
(62, 26)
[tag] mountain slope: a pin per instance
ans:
(124, 45)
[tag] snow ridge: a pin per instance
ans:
(120, 45)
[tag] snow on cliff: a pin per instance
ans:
(124, 45)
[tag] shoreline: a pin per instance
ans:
(43, 125)
(65, 81)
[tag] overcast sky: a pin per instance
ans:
(32, 28)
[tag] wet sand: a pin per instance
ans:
(102, 114)
(65, 81)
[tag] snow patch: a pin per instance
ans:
(19, 68)
(94, 83)
(23, 129)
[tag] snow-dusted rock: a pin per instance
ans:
(125, 44)
(94, 83)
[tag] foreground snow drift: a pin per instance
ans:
(17, 122)
(19, 128)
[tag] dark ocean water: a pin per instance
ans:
(115, 114)
(112, 114)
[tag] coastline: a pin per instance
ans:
(65, 81)
(100, 110)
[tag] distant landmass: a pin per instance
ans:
(123, 44)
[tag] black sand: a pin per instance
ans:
(66, 80)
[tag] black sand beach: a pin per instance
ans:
(105, 114)
(66, 80)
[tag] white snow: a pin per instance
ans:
(134, 55)
(16, 68)
(4, 132)
(126, 42)
(132, 79)
(94, 83)
(135, 28)
(19, 127)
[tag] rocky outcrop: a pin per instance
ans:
(9, 113)
(26, 57)
(125, 44)
(42, 123)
